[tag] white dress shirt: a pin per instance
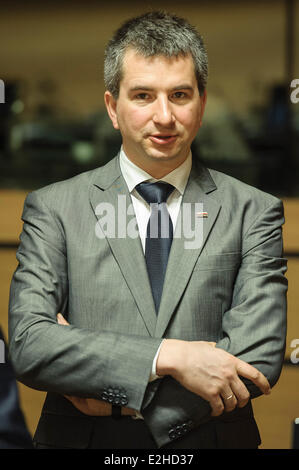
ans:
(134, 175)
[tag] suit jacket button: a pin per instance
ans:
(185, 428)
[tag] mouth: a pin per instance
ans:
(163, 139)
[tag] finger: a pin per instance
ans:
(217, 406)
(61, 320)
(78, 402)
(251, 373)
(229, 400)
(240, 391)
(70, 398)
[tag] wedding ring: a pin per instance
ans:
(228, 398)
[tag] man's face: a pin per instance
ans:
(158, 111)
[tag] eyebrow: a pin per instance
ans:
(146, 88)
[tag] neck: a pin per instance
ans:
(158, 168)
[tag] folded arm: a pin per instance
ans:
(254, 331)
(47, 356)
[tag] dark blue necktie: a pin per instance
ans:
(159, 234)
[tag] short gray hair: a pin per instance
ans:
(152, 34)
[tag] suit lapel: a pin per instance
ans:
(181, 259)
(108, 185)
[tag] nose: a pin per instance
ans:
(163, 114)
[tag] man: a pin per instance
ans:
(183, 349)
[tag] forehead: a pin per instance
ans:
(155, 70)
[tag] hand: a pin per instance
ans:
(209, 372)
(61, 320)
(88, 406)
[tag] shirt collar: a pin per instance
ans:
(134, 175)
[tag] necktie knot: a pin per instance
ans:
(154, 192)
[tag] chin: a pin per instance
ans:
(160, 155)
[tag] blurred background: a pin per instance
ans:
(53, 125)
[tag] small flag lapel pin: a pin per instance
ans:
(202, 214)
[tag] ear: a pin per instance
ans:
(111, 106)
(203, 101)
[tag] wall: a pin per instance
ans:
(64, 41)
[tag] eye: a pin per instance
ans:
(142, 96)
(178, 95)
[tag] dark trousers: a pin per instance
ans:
(128, 433)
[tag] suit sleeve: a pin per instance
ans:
(254, 328)
(65, 359)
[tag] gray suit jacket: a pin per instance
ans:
(231, 290)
